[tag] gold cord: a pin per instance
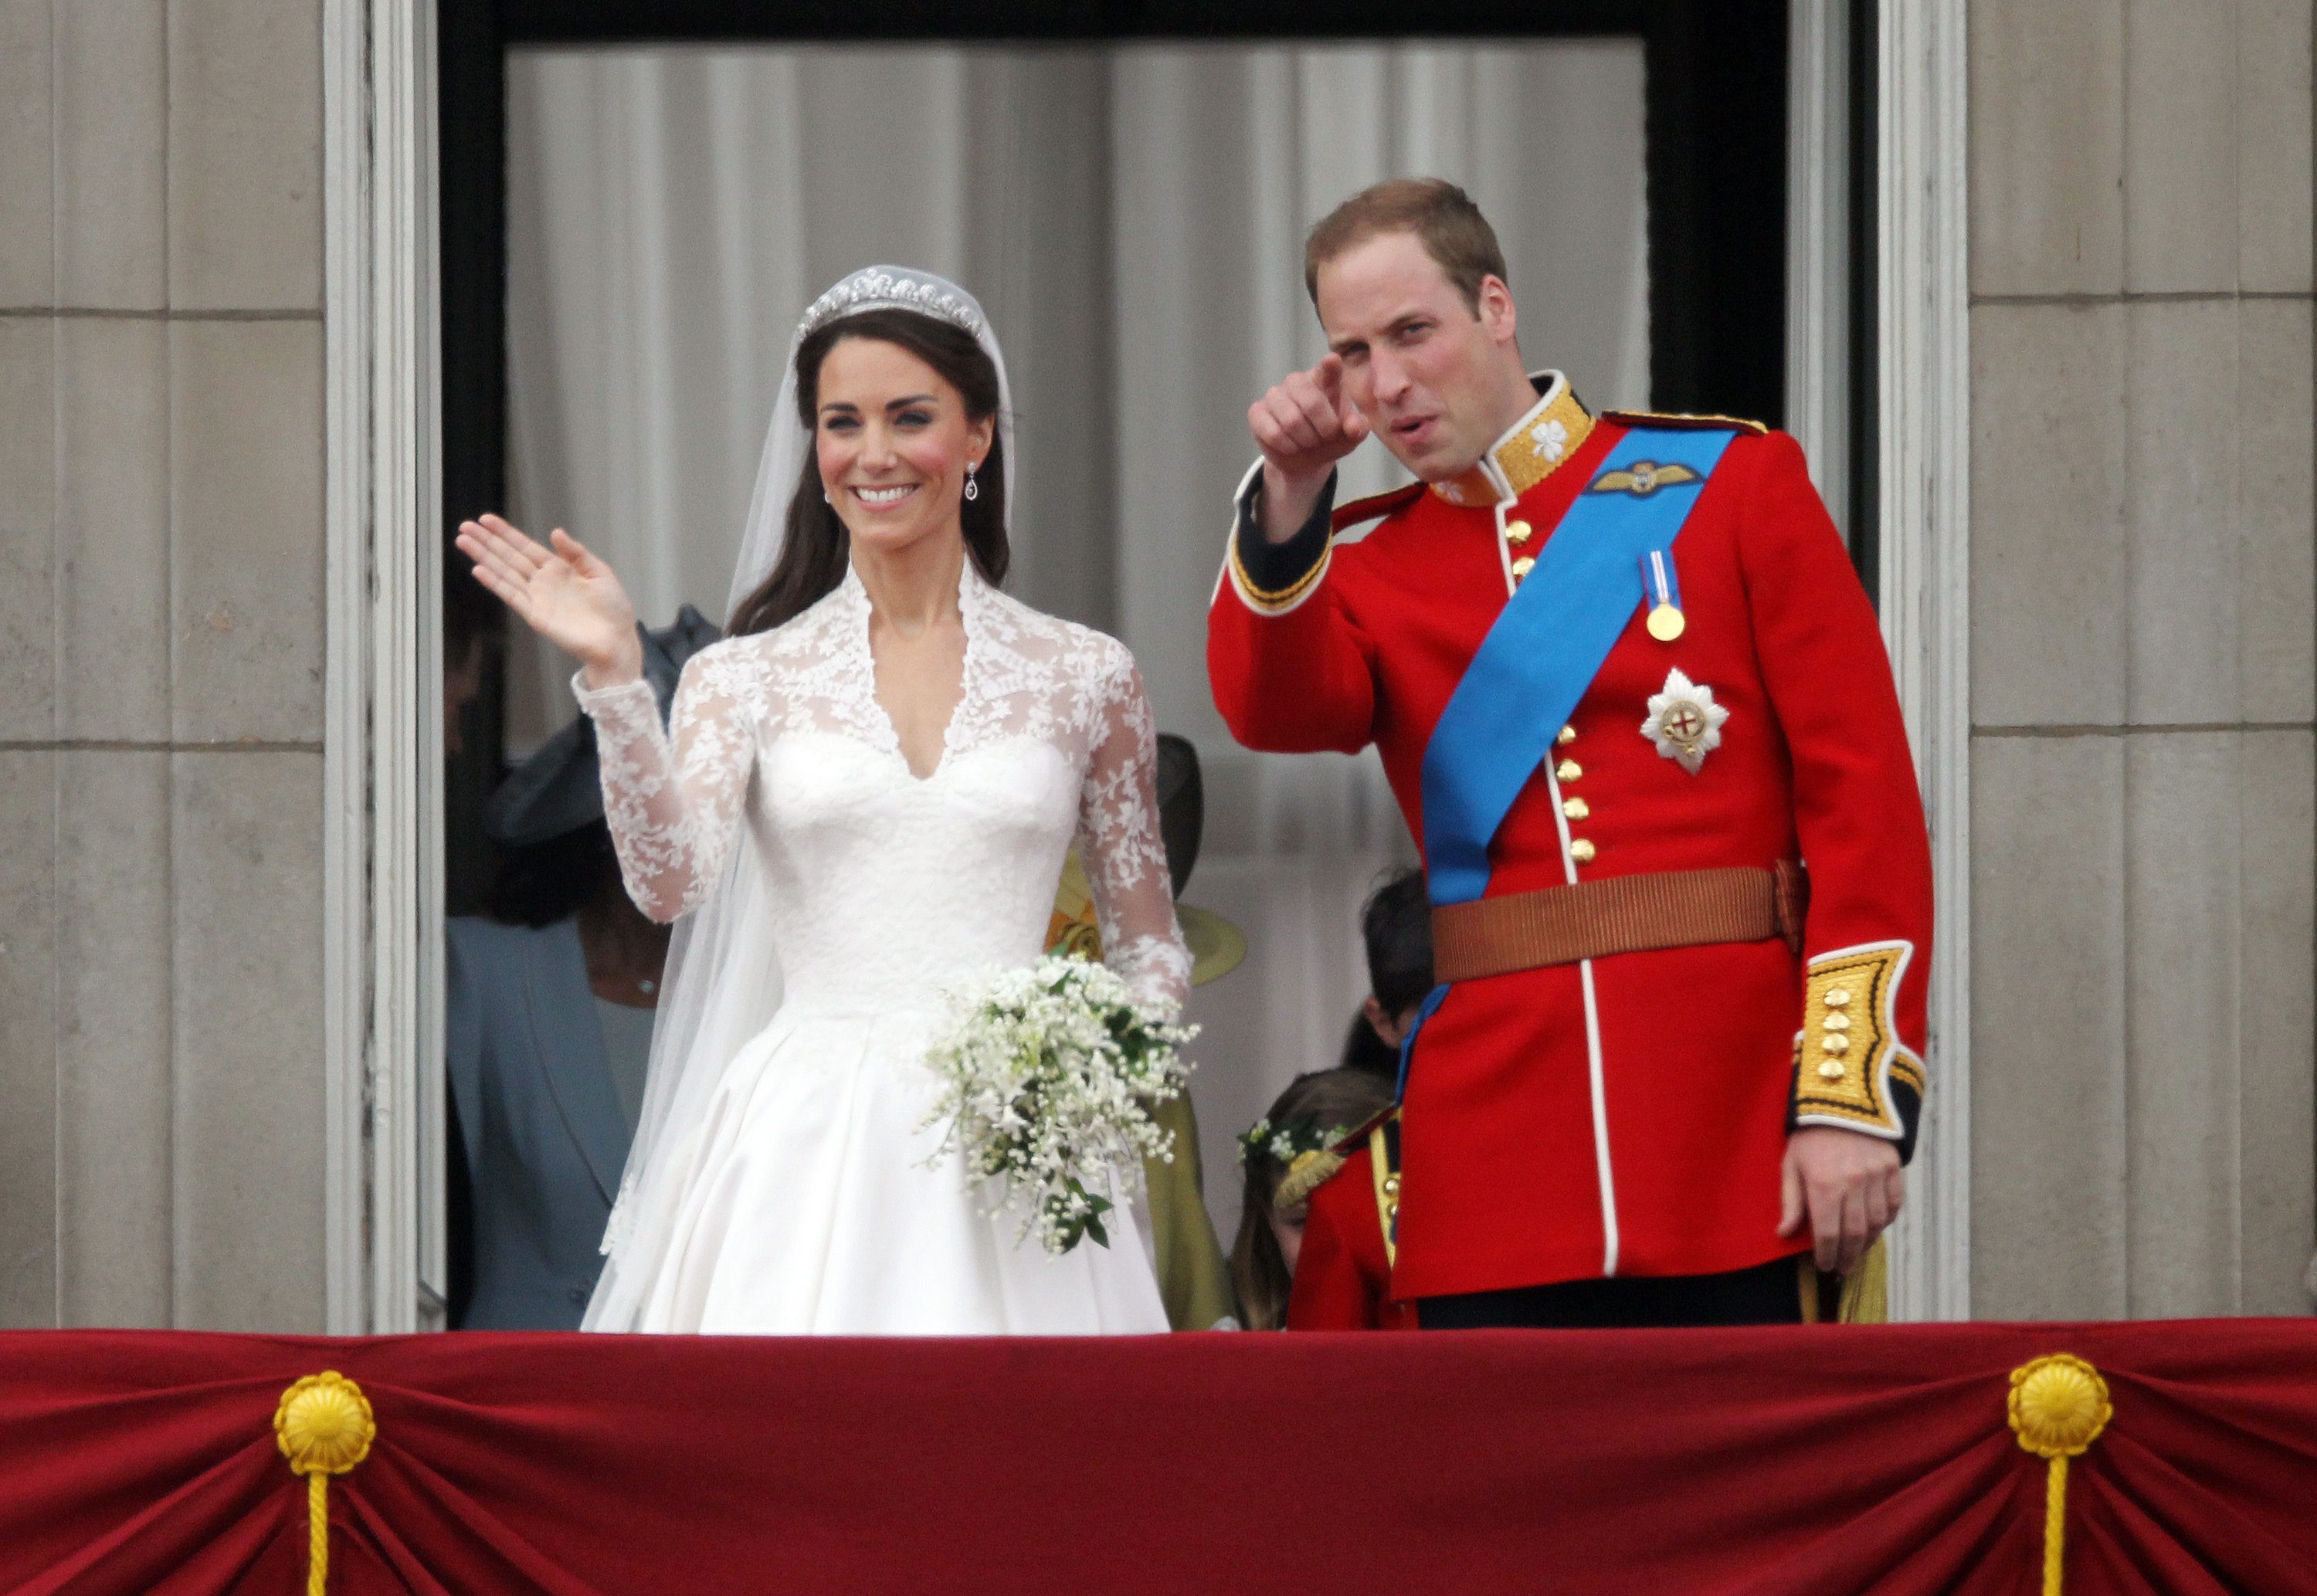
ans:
(2058, 1406)
(317, 1535)
(323, 1426)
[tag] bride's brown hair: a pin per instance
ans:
(814, 550)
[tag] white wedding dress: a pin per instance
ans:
(808, 1196)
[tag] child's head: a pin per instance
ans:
(1397, 926)
(1316, 1110)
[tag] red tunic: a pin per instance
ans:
(1626, 1115)
(1343, 1276)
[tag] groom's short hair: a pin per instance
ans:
(1441, 215)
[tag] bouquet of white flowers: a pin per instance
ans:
(1044, 1084)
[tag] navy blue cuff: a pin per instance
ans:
(1279, 568)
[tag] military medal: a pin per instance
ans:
(1662, 584)
(1684, 723)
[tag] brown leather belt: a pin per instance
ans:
(1524, 931)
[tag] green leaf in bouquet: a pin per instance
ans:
(1071, 1228)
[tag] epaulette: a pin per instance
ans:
(1308, 1172)
(1690, 423)
(1374, 507)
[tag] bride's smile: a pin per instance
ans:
(895, 444)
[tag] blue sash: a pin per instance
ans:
(1542, 654)
(1547, 644)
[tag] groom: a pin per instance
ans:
(1628, 690)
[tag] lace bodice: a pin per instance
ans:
(885, 885)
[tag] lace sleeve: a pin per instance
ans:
(672, 799)
(1118, 836)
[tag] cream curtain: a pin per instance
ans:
(1133, 218)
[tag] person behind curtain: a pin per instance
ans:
(864, 797)
(1396, 931)
(1314, 1112)
(549, 1000)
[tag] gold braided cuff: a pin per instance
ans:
(1277, 601)
(1849, 1056)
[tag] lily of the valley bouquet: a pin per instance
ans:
(1046, 1084)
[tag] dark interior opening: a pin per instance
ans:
(1715, 122)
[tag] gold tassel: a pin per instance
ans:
(2059, 1406)
(1865, 1296)
(323, 1426)
(1862, 1296)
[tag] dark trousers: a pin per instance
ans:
(1767, 1293)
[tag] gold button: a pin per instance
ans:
(1568, 736)
(1516, 531)
(1581, 851)
(1567, 769)
(1837, 1044)
(1837, 1022)
(1830, 1071)
(1836, 996)
(1392, 1185)
(1522, 567)
(1576, 808)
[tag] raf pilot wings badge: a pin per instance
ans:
(1642, 478)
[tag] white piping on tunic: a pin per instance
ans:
(1604, 1171)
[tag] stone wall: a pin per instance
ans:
(2142, 658)
(2144, 681)
(161, 625)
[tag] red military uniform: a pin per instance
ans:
(1625, 1114)
(1343, 1276)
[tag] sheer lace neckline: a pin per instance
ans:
(856, 615)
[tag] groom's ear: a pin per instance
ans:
(1494, 308)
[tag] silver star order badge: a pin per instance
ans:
(1684, 723)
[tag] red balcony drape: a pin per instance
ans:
(1817, 1460)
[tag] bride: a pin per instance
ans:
(863, 796)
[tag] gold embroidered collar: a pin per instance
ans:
(1530, 449)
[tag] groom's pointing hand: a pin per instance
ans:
(1303, 425)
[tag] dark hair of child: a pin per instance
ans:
(1369, 1053)
(1396, 925)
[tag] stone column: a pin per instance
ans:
(161, 663)
(2142, 660)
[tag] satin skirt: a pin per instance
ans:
(817, 1201)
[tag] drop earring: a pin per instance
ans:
(973, 488)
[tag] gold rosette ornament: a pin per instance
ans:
(2058, 1406)
(323, 1426)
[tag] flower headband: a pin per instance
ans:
(1286, 1141)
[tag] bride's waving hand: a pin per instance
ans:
(561, 592)
(672, 796)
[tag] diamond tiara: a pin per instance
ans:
(881, 290)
